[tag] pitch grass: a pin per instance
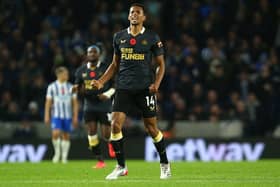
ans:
(142, 174)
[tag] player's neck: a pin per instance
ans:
(93, 63)
(61, 81)
(135, 29)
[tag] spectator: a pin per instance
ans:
(218, 53)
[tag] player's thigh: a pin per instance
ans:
(104, 119)
(56, 125)
(122, 101)
(147, 103)
(66, 126)
(106, 131)
(90, 119)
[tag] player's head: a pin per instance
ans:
(136, 14)
(62, 73)
(93, 53)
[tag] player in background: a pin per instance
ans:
(137, 83)
(61, 111)
(97, 103)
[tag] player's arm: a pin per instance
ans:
(47, 115)
(107, 94)
(48, 106)
(75, 109)
(159, 73)
(158, 52)
(109, 73)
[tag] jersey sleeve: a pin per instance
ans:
(50, 93)
(116, 46)
(157, 47)
(78, 77)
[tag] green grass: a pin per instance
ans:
(79, 173)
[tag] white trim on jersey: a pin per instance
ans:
(97, 65)
(61, 95)
(141, 32)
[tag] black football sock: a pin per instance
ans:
(97, 152)
(118, 148)
(160, 146)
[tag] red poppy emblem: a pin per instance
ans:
(92, 74)
(132, 41)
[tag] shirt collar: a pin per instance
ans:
(89, 64)
(142, 30)
(61, 83)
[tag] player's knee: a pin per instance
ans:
(55, 134)
(66, 136)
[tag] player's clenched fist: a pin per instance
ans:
(153, 88)
(97, 84)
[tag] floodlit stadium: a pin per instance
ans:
(138, 93)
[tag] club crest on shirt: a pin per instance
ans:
(144, 42)
(123, 41)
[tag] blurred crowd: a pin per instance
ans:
(222, 59)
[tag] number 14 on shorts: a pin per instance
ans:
(151, 102)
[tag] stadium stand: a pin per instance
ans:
(222, 57)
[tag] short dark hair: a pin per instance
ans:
(139, 5)
(60, 69)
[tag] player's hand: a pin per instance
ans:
(97, 84)
(75, 122)
(153, 88)
(75, 88)
(103, 97)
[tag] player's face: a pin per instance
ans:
(92, 54)
(64, 75)
(136, 15)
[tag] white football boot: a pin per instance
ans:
(165, 171)
(118, 171)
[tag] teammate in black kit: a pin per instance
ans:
(137, 84)
(97, 103)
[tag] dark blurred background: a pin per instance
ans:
(222, 57)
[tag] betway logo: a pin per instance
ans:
(196, 149)
(22, 153)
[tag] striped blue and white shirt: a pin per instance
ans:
(61, 95)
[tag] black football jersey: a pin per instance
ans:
(135, 53)
(83, 76)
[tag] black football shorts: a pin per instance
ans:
(103, 118)
(145, 101)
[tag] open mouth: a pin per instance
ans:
(134, 18)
